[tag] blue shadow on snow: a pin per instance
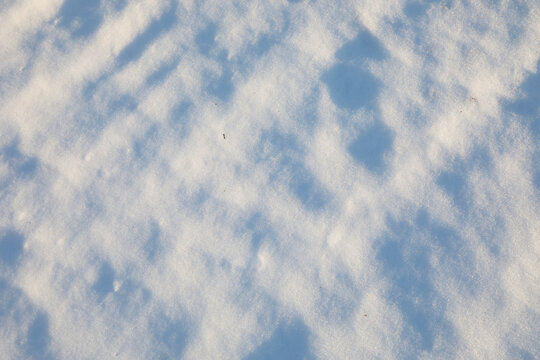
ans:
(11, 247)
(350, 87)
(454, 179)
(38, 337)
(105, 281)
(180, 120)
(290, 341)
(152, 246)
(259, 230)
(527, 105)
(244, 63)
(130, 299)
(536, 177)
(123, 102)
(284, 158)
(371, 147)
(136, 48)
(146, 147)
(206, 39)
(453, 183)
(222, 87)
(161, 73)
(23, 166)
(405, 255)
(339, 302)
(364, 46)
(170, 337)
(32, 324)
(81, 17)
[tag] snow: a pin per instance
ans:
(205, 179)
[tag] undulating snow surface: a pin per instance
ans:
(227, 179)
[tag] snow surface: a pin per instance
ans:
(231, 179)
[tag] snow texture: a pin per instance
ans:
(229, 179)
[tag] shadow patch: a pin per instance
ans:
(222, 87)
(23, 166)
(159, 76)
(351, 88)
(11, 248)
(527, 104)
(170, 337)
(364, 46)
(206, 39)
(285, 162)
(454, 185)
(24, 323)
(339, 302)
(146, 148)
(259, 230)
(136, 48)
(130, 300)
(80, 17)
(290, 341)
(38, 338)
(105, 281)
(371, 147)
(152, 246)
(404, 255)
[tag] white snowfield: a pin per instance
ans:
(230, 179)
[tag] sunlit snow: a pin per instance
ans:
(230, 179)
